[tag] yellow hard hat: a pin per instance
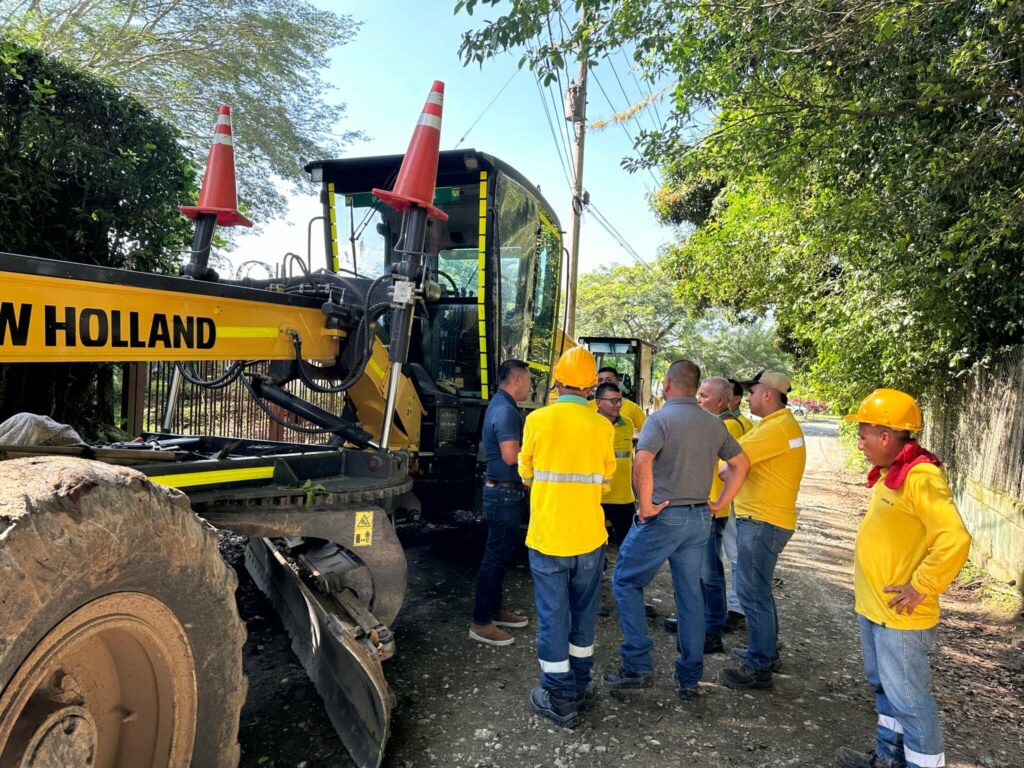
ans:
(888, 408)
(576, 368)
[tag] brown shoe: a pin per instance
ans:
(505, 618)
(490, 634)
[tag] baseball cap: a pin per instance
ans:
(773, 379)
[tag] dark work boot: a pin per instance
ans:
(563, 712)
(671, 623)
(739, 653)
(735, 622)
(850, 758)
(626, 679)
(713, 644)
(587, 696)
(746, 678)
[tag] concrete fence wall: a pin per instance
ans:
(979, 433)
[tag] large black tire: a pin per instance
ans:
(85, 539)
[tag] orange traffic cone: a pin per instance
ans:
(418, 175)
(218, 191)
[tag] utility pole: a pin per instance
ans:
(576, 111)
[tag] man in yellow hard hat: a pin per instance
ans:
(630, 410)
(568, 461)
(765, 521)
(910, 546)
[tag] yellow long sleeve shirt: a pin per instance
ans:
(621, 486)
(568, 460)
(735, 428)
(911, 534)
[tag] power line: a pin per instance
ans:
(621, 123)
(489, 105)
(617, 236)
(554, 134)
(648, 94)
(561, 88)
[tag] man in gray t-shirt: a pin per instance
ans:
(675, 458)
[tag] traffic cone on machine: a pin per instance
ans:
(418, 175)
(218, 195)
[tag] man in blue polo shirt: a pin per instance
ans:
(504, 503)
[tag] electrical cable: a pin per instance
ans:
(489, 105)
(617, 236)
(622, 124)
(554, 136)
(648, 94)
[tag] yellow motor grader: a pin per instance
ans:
(120, 642)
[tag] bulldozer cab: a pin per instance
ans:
(632, 358)
(497, 259)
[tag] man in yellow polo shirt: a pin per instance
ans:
(568, 461)
(619, 503)
(630, 410)
(910, 546)
(765, 521)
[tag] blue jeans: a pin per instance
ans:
(729, 547)
(758, 547)
(503, 510)
(896, 665)
(712, 580)
(679, 535)
(567, 591)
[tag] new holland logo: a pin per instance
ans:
(92, 327)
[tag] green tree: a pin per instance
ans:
(182, 58)
(635, 301)
(852, 168)
(639, 301)
(87, 174)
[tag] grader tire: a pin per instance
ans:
(120, 642)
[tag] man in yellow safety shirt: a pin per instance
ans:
(630, 410)
(568, 461)
(765, 521)
(619, 503)
(910, 546)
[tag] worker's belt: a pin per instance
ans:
(503, 484)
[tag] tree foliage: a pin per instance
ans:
(853, 167)
(87, 174)
(182, 58)
(639, 301)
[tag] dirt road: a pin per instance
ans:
(463, 704)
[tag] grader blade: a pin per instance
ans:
(342, 660)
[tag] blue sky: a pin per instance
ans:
(383, 77)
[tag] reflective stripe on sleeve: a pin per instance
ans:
(581, 653)
(545, 476)
(891, 723)
(554, 667)
(925, 761)
(623, 454)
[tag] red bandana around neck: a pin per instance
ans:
(911, 455)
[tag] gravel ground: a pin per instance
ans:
(464, 704)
